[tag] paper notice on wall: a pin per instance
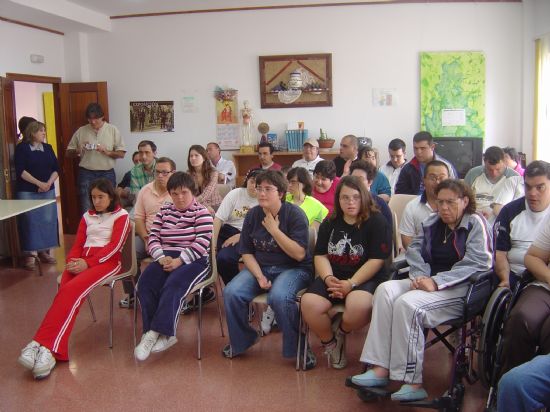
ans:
(453, 117)
(228, 136)
(189, 104)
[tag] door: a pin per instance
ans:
(73, 100)
(8, 136)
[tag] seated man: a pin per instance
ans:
(391, 170)
(226, 168)
(410, 179)
(143, 172)
(179, 242)
(310, 156)
(273, 245)
(418, 210)
(527, 330)
(453, 246)
(366, 172)
(493, 183)
(123, 188)
(265, 153)
(150, 199)
(349, 148)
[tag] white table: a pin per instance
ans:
(13, 207)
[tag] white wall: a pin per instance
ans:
(29, 100)
(18, 43)
(157, 58)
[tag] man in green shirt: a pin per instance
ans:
(143, 172)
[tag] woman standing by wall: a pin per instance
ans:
(36, 169)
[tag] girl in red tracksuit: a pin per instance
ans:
(95, 256)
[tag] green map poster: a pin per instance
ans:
(452, 94)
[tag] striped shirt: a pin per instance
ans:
(186, 231)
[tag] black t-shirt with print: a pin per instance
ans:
(348, 247)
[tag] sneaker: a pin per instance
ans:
(268, 320)
(127, 302)
(408, 393)
(311, 360)
(337, 351)
(44, 364)
(28, 355)
(227, 351)
(163, 343)
(148, 340)
(45, 257)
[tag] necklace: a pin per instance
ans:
(447, 236)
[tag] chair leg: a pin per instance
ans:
(218, 295)
(306, 344)
(111, 286)
(135, 311)
(89, 299)
(199, 329)
(298, 349)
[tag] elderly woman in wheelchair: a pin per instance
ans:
(453, 246)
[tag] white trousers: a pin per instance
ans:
(396, 336)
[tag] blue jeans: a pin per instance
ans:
(525, 387)
(85, 178)
(238, 294)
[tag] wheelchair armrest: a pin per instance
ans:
(482, 276)
(525, 278)
(479, 292)
(398, 265)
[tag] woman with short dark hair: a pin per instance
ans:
(453, 246)
(300, 188)
(179, 243)
(324, 183)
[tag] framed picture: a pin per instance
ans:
(299, 80)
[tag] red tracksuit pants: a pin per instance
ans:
(58, 323)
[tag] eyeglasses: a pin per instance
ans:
(265, 189)
(350, 199)
(434, 178)
(163, 172)
(446, 202)
(371, 157)
(293, 182)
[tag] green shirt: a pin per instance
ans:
(314, 210)
(140, 177)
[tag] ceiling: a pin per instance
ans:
(92, 15)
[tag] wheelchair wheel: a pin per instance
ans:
(492, 325)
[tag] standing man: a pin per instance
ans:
(226, 168)
(410, 179)
(149, 201)
(493, 183)
(392, 169)
(98, 144)
(265, 153)
(143, 172)
(349, 147)
(310, 156)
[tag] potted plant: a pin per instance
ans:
(324, 141)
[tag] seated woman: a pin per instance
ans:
(325, 181)
(273, 245)
(349, 261)
(453, 246)
(380, 185)
(228, 225)
(95, 255)
(179, 242)
(205, 176)
(300, 187)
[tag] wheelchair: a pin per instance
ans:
(480, 288)
(496, 313)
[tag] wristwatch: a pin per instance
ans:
(353, 285)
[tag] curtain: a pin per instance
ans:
(542, 100)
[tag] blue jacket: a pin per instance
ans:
(410, 178)
(472, 242)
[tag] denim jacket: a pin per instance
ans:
(472, 241)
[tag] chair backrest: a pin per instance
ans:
(398, 202)
(129, 261)
(396, 239)
(223, 190)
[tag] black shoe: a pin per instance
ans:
(208, 296)
(127, 302)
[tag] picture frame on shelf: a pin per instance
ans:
(296, 80)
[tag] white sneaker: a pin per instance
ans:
(28, 355)
(163, 343)
(148, 340)
(337, 353)
(268, 320)
(44, 364)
